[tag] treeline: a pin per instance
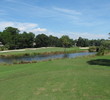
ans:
(12, 38)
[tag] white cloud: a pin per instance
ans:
(68, 11)
(39, 30)
(28, 27)
(76, 35)
(54, 13)
(32, 27)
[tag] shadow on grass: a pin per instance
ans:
(103, 62)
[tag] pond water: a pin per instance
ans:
(43, 57)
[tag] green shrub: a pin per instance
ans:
(92, 49)
(2, 48)
(104, 48)
(101, 51)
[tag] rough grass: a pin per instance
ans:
(64, 79)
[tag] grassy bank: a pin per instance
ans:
(39, 51)
(84, 78)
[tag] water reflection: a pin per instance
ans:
(43, 57)
(65, 55)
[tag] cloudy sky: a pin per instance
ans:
(85, 18)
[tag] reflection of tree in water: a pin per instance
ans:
(65, 55)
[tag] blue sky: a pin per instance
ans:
(85, 18)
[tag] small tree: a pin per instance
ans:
(66, 41)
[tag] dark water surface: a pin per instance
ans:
(43, 57)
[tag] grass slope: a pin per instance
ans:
(64, 79)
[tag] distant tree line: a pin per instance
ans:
(12, 38)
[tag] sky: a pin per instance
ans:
(75, 18)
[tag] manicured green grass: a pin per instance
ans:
(41, 51)
(84, 78)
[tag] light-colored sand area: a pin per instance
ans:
(83, 47)
(24, 49)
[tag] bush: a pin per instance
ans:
(2, 48)
(104, 48)
(101, 51)
(93, 49)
